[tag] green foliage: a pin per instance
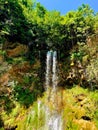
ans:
(35, 118)
(71, 125)
(26, 20)
(73, 109)
(2, 52)
(14, 24)
(6, 102)
(10, 60)
(24, 95)
(27, 92)
(96, 22)
(76, 56)
(79, 24)
(13, 61)
(1, 123)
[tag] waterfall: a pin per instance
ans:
(46, 113)
(55, 123)
(54, 70)
(51, 69)
(48, 68)
(53, 118)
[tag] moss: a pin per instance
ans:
(67, 104)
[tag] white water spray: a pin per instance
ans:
(54, 70)
(48, 68)
(55, 123)
(53, 119)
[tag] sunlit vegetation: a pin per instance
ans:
(27, 32)
(79, 107)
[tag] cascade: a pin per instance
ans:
(51, 69)
(53, 118)
(54, 70)
(48, 68)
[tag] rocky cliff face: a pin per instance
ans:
(21, 85)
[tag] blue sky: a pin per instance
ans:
(64, 6)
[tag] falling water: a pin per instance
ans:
(53, 119)
(47, 115)
(48, 68)
(55, 123)
(51, 69)
(54, 70)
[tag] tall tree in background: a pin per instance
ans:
(27, 21)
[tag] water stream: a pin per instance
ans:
(47, 113)
(53, 118)
(54, 70)
(48, 69)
